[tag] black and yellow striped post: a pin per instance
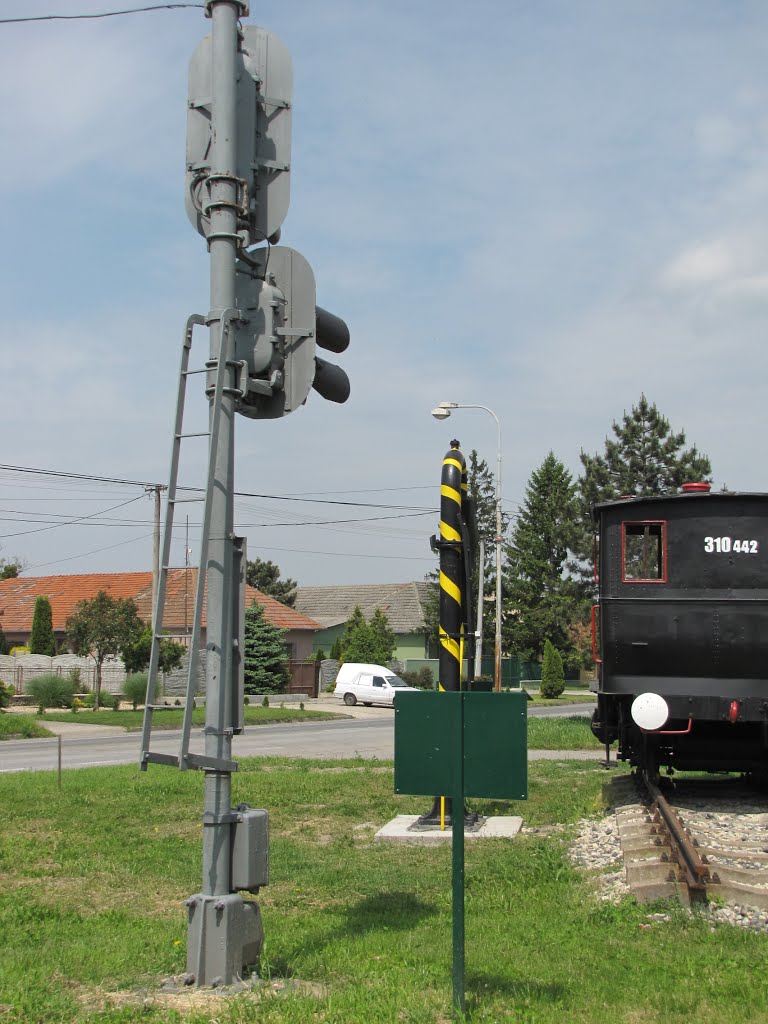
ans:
(453, 488)
(455, 573)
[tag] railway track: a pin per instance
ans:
(696, 841)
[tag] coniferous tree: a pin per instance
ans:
(265, 576)
(3, 642)
(384, 641)
(552, 675)
(644, 458)
(41, 639)
(266, 660)
(368, 642)
(542, 599)
(355, 620)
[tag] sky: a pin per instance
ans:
(542, 207)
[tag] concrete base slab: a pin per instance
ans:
(400, 830)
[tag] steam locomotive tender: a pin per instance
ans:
(680, 631)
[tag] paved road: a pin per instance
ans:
(370, 734)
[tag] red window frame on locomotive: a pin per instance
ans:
(662, 577)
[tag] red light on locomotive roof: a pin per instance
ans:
(697, 488)
(733, 711)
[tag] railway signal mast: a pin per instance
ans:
(263, 329)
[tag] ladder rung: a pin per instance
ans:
(179, 501)
(150, 756)
(190, 373)
(200, 433)
(173, 636)
(159, 707)
(219, 764)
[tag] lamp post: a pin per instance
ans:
(442, 412)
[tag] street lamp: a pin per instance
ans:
(442, 412)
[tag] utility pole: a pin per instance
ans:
(155, 488)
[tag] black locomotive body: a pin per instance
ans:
(682, 621)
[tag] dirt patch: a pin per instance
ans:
(174, 995)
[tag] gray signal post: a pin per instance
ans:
(263, 329)
(213, 920)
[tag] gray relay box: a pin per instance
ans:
(250, 849)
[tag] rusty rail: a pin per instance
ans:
(693, 868)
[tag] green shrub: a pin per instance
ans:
(265, 702)
(77, 704)
(552, 675)
(106, 700)
(135, 688)
(422, 678)
(51, 691)
(6, 692)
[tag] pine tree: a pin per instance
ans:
(41, 639)
(552, 676)
(542, 599)
(646, 458)
(368, 642)
(355, 620)
(265, 576)
(266, 668)
(384, 641)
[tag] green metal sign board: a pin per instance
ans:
(432, 728)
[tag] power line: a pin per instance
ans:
(104, 14)
(199, 490)
(84, 554)
(79, 519)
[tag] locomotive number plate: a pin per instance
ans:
(725, 545)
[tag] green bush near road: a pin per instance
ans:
(51, 691)
(135, 688)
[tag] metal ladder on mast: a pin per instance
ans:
(185, 760)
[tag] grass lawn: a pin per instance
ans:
(21, 727)
(171, 719)
(94, 877)
(575, 698)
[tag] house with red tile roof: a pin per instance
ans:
(17, 604)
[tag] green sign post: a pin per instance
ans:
(461, 744)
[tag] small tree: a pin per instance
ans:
(3, 642)
(136, 654)
(10, 568)
(41, 640)
(103, 626)
(552, 676)
(266, 660)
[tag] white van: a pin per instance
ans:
(368, 684)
